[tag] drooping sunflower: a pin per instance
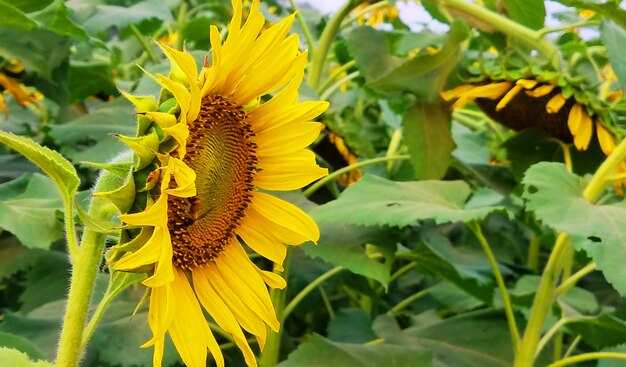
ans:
(203, 154)
(21, 94)
(565, 107)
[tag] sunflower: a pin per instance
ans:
(534, 102)
(385, 13)
(14, 87)
(203, 153)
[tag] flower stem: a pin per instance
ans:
(304, 292)
(305, 28)
(588, 357)
(144, 43)
(533, 39)
(81, 288)
(328, 36)
(572, 280)
(70, 230)
(323, 181)
(506, 300)
(330, 90)
(407, 301)
(335, 74)
(270, 354)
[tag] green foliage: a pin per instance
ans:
(12, 357)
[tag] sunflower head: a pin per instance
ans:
(204, 155)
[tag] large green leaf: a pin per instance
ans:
(12, 357)
(13, 17)
(22, 344)
(56, 19)
(343, 245)
(62, 173)
(86, 79)
(108, 16)
(401, 203)
(319, 351)
(29, 208)
(600, 332)
(46, 281)
(426, 132)
(477, 339)
(614, 38)
(555, 195)
(530, 13)
(351, 325)
(13, 257)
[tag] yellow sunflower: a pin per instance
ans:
(15, 88)
(202, 155)
(527, 102)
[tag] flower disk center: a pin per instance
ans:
(220, 151)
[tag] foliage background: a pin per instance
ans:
(399, 277)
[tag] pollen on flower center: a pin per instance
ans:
(220, 151)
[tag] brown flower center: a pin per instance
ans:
(221, 153)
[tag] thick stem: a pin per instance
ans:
(81, 288)
(271, 352)
(328, 36)
(506, 300)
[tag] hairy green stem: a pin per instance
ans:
(323, 181)
(84, 272)
(70, 229)
(506, 299)
(328, 36)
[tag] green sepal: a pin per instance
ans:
(144, 148)
(163, 119)
(135, 243)
(141, 103)
(168, 106)
(92, 224)
(120, 169)
(122, 197)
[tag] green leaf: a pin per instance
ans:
(555, 195)
(12, 357)
(56, 19)
(52, 163)
(22, 344)
(351, 325)
(13, 257)
(440, 259)
(42, 331)
(426, 132)
(88, 138)
(343, 245)
(530, 13)
(107, 16)
(609, 9)
(613, 362)
(477, 339)
(86, 79)
(401, 203)
(317, 349)
(12, 17)
(369, 48)
(603, 331)
(46, 281)
(28, 209)
(29, 6)
(614, 38)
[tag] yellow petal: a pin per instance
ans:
(263, 243)
(148, 253)
(574, 118)
(285, 214)
(448, 95)
(164, 269)
(607, 143)
(490, 91)
(278, 112)
(273, 229)
(527, 83)
(156, 215)
(508, 97)
(222, 315)
(287, 139)
(185, 178)
(182, 95)
(189, 330)
(541, 91)
(160, 315)
(288, 179)
(555, 103)
(180, 133)
(585, 130)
